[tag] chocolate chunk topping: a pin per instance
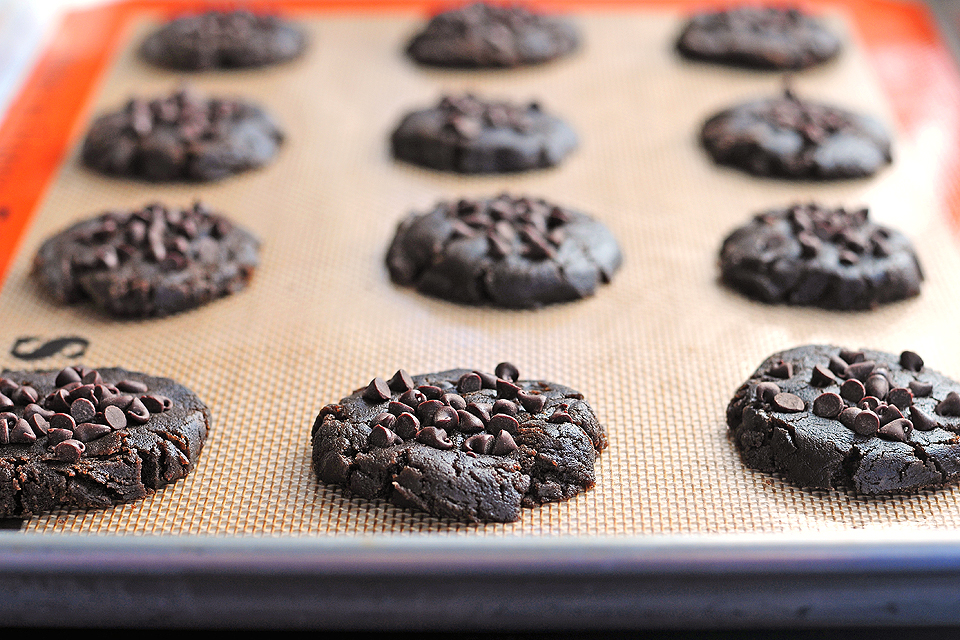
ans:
(787, 403)
(68, 375)
(911, 361)
(506, 407)
(837, 365)
(828, 405)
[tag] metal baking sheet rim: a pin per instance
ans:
(437, 583)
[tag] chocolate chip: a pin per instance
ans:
(430, 392)
(867, 423)
(480, 411)
(899, 429)
(505, 406)
(507, 371)
(377, 391)
(120, 400)
(58, 401)
(63, 421)
(25, 395)
(837, 365)
(852, 391)
(531, 402)
(860, 370)
(479, 443)
(782, 370)
(436, 438)
(427, 409)
(396, 408)
(888, 413)
(56, 436)
(504, 444)
(384, 419)
(469, 383)
(828, 405)
(22, 433)
(787, 403)
(156, 403)
(766, 391)
(848, 416)
(131, 386)
(446, 418)
(84, 391)
(68, 451)
(920, 389)
(949, 406)
(89, 431)
(82, 410)
(877, 386)
(91, 377)
(68, 375)
(413, 398)
(911, 361)
(115, 418)
(500, 422)
(381, 436)
(851, 357)
(38, 424)
(35, 409)
(507, 389)
(900, 397)
(488, 380)
(401, 381)
(869, 402)
(5, 402)
(469, 423)
(821, 376)
(559, 417)
(454, 400)
(921, 421)
(406, 426)
(137, 413)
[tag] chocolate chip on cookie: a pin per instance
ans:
(504, 251)
(479, 463)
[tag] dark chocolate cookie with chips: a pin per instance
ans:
(772, 38)
(818, 256)
(460, 444)
(468, 135)
(181, 137)
(504, 251)
(826, 417)
(223, 40)
(154, 261)
(791, 138)
(489, 36)
(91, 438)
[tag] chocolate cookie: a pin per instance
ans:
(816, 256)
(468, 135)
(505, 251)
(758, 38)
(92, 438)
(460, 444)
(488, 36)
(223, 40)
(181, 137)
(826, 417)
(792, 138)
(151, 262)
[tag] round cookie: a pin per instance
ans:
(468, 135)
(504, 251)
(489, 36)
(772, 38)
(91, 438)
(154, 261)
(791, 138)
(817, 256)
(822, 417)
(223, 40)
(181, 137)
(460, 444)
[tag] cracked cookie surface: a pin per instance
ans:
(460, 444)
(786, 137)
(504, 251)
(874, 422)
(91, 438)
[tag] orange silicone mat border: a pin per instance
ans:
(43, 119)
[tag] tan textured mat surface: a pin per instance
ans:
(657, 353)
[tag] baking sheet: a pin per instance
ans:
(657, 353)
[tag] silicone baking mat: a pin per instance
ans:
(657, 353)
